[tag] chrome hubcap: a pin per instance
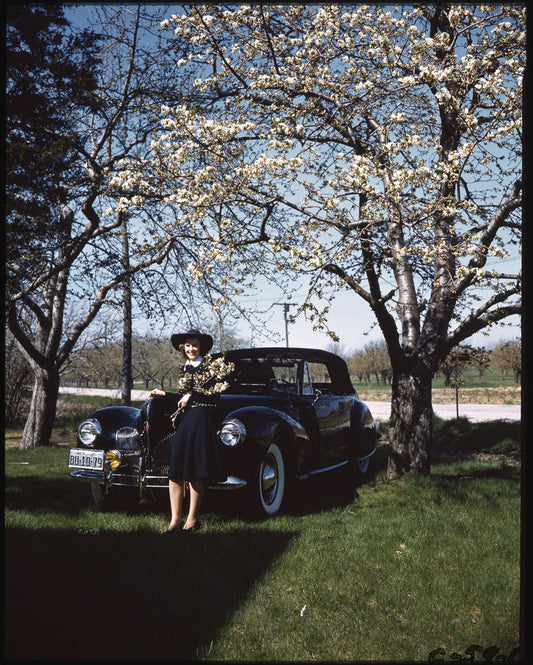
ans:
(269, 479)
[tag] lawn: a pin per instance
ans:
(386, 571)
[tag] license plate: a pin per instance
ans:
(86, 459)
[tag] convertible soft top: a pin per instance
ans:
(337, 367)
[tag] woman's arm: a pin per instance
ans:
(161, 393)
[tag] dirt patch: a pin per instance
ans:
(503, 395)
(511, 459)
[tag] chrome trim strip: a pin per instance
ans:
(323, 469)
(334, 466)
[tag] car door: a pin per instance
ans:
(330, 411)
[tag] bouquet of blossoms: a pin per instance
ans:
(210, 380)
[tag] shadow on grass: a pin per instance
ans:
(335, 489)
(128, 596)
(469, 469)
(458, 436)
(66, 497)
(37, 493)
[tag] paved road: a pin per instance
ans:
(474, 412)
(136, 395)
(380, 410)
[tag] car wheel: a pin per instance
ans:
(268, 485)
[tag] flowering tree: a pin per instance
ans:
(366, 147)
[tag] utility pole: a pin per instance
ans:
(126, 374)
(286, 306)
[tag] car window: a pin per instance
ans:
(285, 373)
(265, 376)
(320, 377)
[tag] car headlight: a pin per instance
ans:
(232, 433)
(112, 459)
(89, 431)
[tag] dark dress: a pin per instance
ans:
(194, 450)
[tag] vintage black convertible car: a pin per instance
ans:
(288, 414)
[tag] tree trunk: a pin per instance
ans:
(38, 428)
(411, 424)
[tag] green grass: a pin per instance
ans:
(72, 409)
(387, 571)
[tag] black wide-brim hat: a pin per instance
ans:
(206, 341)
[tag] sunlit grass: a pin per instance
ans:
(408, 568)
(389, 572)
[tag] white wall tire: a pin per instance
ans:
(268, 485)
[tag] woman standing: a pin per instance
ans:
(194, 455)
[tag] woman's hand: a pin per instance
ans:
(156, 391)
(184, 400)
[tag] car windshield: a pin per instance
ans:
(265, 376)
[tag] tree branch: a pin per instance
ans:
(100, 297)
(485, 316)
(513, 202)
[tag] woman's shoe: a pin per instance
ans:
(192, 529)
(175, 529)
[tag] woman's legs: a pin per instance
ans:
(176, 491)
(197, 491)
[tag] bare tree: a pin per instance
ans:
(372, 359)
(17, 378)
(461, 358)
(76, 257)
(507, 357)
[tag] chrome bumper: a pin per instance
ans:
(144, 480)
(85, 475)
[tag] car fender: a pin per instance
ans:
(363, 430)
(263, 424)
(112, 418)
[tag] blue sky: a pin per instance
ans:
(351, 318)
